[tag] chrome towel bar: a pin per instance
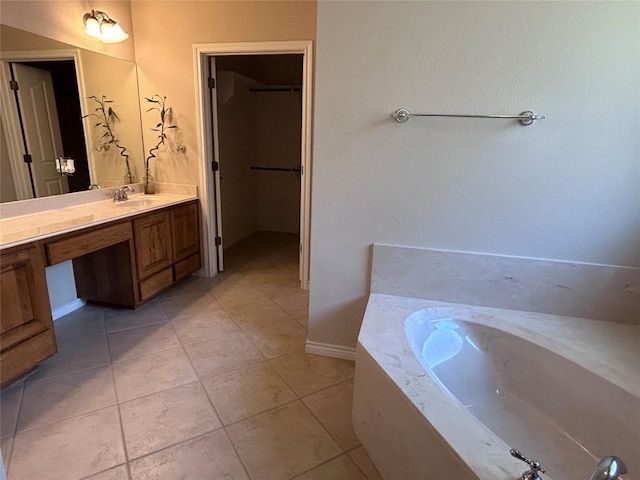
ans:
(525, 118)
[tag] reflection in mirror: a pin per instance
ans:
(49, 69)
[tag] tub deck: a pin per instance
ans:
(606, 349)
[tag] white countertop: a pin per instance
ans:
(48, 223)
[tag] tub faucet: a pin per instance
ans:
(120, 193)
(534, 466)
(609, 468)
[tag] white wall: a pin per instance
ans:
(278, 127)
(565, 188)
(237, 147)
(62, 20)
(62, 288)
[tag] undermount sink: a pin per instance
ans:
(138, 203)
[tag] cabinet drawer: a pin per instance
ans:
(186, 267)
(156, 283)
(84, 243)
(26, 355)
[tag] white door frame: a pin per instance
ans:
(201, 52)
(11, 118)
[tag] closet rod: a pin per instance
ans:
(277, 169)
(276, 89)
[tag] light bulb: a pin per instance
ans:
(92, 27)
(112, 33)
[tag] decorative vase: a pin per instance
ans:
(149, 184)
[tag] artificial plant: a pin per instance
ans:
(107, 117)
(159, 105)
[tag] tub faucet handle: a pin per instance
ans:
(534, 465)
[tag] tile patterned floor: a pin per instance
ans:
(209, 381)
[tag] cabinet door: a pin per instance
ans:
(186, 234)
(153, 243)
(26, 327)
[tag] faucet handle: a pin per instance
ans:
(533, 464)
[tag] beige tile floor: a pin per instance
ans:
(209, 381)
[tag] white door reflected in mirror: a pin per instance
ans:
(39, 117)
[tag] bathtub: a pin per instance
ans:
(445, 390)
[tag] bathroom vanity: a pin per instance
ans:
(123, 253)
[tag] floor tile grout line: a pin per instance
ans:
(126, 329)
(199, 380)
(146, 354)
(201, 384)
(27, 430)
(326, 429)
(348, 453)
(218, 338)
(174, 444)
(318, 465)
(252, 342)
(268, 410)
(291, 386)
(122, 436)
(18, 411)
(7, 464)
(146, 395)
(103, 471)
(74, 416)
(102, 365)
(163, 389)
(235, 449)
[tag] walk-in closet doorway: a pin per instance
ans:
(254, 102)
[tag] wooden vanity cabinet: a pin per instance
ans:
(167, 247)
(26, 327)
(122, 263)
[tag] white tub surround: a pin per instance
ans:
(602, 292)
(565, 377)
(37, 219)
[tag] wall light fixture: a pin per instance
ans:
(99, 26)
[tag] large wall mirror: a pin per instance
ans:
(50, 110)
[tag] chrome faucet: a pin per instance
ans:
(120, 193)
(534, 466)
(609, 468)
(94, 186)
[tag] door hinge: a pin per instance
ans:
(218, 241)
(215, 166)
(27, 158)
(13, 85)
(300, 249)
(212, 82)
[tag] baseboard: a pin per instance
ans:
(330, 350)
(63, 310)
